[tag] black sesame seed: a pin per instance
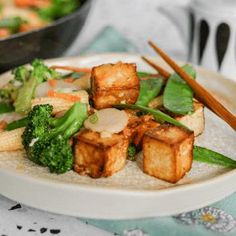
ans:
(55, 231)
(17, 206)
(43, 230)
(31, 230)
(19, 227)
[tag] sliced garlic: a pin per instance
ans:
(107, 121)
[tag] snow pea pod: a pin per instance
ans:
(208, 156)
(149, 89)
(178, 96)
(158, 115)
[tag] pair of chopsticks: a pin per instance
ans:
(202, 94)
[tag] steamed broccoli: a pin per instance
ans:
(8, 92)
(40, 73)
(46, 139)
(21, 74)
(57, 155)
(20, 90)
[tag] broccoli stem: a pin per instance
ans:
(25, 94)
(70, 122)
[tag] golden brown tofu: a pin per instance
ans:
(99, 157)
(167, 152)
(195, 121)
(147, 122)
(114, 84)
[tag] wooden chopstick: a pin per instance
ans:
(159, 69)
(202, 94)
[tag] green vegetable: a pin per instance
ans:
(149, 89)
(208, 156)
(142, 74)
(46, 139)
(12, 23)
(132, 151)
(25, 94)
(8, 92)
(178, 96)
(39, 74)
(21, 74)
(158, 115)
(17, 124)
(58, 9)
(5, 94)
(6, 107)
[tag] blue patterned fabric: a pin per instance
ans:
(217, 219)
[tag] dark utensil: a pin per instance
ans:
(47, 42)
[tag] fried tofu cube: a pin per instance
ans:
(99, 157)
(114, 84)
(196, 120)
(147, 122)
(167, 152)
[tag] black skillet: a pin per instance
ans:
(47, 42)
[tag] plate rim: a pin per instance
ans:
(221, 178)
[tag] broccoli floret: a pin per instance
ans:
(40, 73)
(58, 155)
(132, 151)
(20, 90)
(21, 74)
(38, 123)
(8, 92)
(46, 139)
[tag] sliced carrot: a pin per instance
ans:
(32, 3)
(69, 80)
(72, 68)
(3, 124)
(52, 82)
(65, 96)
(4, 32)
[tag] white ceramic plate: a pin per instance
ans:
(129, 193)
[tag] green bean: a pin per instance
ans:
(17, 124)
